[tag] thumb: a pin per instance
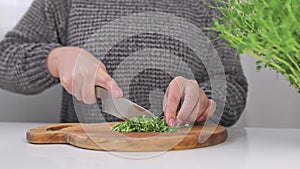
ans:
(103, 79)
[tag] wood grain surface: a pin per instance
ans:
(99, 137)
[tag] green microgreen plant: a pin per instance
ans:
(268, 30)
(145, 123)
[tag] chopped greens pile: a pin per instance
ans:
(268, 30)
(145, 123)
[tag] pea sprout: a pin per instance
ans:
(267, 30)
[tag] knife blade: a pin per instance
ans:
(119, 107)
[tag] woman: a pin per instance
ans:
(52, 44)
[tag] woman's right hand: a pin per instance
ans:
(79, 72)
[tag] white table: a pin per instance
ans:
(250, 148)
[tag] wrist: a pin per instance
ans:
(57, 55)
(52, 62)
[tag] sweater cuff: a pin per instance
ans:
(36, 76)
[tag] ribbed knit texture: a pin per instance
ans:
(52, 23)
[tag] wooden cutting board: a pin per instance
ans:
(99, 137)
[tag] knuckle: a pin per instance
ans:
(88, 98)
(203, 104)
(104, 78)
(76, 77)
(202, 107)
(194, 83)
(203, 99)
(101, 67)
(179, 78)
(85, 72)
(85, 98)
(66, 81)
(173, 98)
(191, 94)
(77, 96)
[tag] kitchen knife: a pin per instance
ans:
(119, 107)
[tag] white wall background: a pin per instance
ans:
(271, 102)
(13, 107)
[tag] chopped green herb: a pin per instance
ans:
(145, 123)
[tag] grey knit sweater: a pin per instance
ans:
(140, 63)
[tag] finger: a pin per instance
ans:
(88, 91)
(192, 118)
(212, 108)
(102, 66)
(77, 86)
(103, 79)
(165, 101)
(189, 107)
(93, 59)
(67, 82)
(209, 111)
(68, 88)
(173, 95)
(203, 102)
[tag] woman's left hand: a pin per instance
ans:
(195, 107)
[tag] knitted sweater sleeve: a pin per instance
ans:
(24, 50)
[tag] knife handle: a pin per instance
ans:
(101, 92)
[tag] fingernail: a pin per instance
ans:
(118, 93)
(213, 108)
(202, 118)
(178, 122)
(172, 122)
